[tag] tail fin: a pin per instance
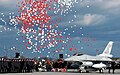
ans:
(107, 51)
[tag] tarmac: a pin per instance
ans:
(117, 72)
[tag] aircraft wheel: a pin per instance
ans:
(87, 71)
(101, 70)
(80, 71)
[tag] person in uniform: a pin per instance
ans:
(113, 66)
(109, 67)
(9, 65)
(4, 65)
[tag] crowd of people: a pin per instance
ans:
(47, 65)
(17, 65)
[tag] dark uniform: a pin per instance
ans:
(4, 65)
(22, 66)
(113, 66)
(16, 65)
(109, 67)
(9, 65)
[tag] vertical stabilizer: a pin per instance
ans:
(107, 50)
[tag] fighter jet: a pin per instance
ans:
(98, 62)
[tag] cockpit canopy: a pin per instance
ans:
(77, 54)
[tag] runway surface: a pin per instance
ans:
(117, 72)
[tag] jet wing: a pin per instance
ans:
(102, 59)
(71, 59)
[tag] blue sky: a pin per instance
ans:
(95, 18)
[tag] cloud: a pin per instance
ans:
(8, 4)
(101, 3)
(110, 4)
(112, 32)
(85, 20)
(91, 19)
(5, 1)
(105, 6)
